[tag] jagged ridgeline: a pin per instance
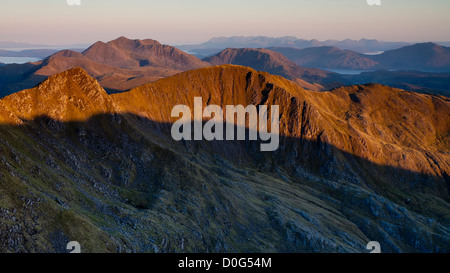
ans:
(355, 164)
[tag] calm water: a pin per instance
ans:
(348, 71)
(17, 60)
(31, 48)
(374, 53)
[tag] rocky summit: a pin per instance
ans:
(355, 164)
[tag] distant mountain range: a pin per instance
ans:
(363, 45)
(14, 45)
(126, 53)
(424, 56)
(327, 57)
(122, 64)
(425, 82)
(355, 164)
(278, 64)
(119, 65)
(296, 68)
(9, 44)
(32, 53)
(220, 43)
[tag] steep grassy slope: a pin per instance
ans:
(355, 164)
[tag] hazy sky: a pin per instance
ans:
(192, 21)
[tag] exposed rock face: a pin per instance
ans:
(68, 96)
(356, 164)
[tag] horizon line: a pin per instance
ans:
(37, 44)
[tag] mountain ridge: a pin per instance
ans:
(146, 99)
(114, 64)
(327, 57)
(83, 97)
(123, 64)
(356, 163)
(276, 63)
(423, 56)
(137, 53)
(417, 56)
(362, 45)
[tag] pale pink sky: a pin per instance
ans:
(181, 21)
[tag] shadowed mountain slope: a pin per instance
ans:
(365, 113)
(355, 164)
